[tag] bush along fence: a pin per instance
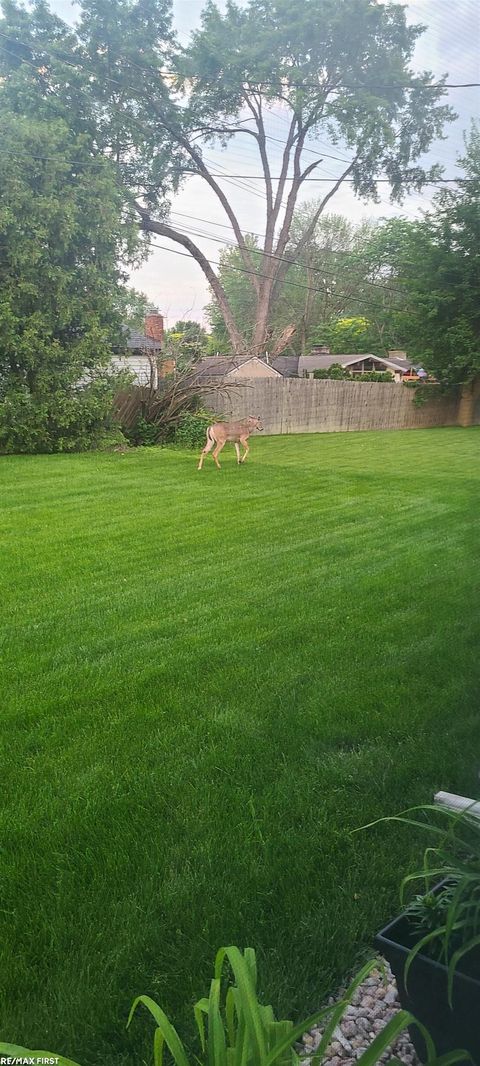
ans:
(172, 412)
(296, 405)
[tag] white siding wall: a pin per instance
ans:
(138, 365)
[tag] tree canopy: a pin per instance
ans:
(336, 68)
(434, 265)
(63, 298)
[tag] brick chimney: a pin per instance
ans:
(154, 325)
(320, 349)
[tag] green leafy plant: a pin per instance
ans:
(375, 375)
(335, 372)
(448, 918)
(192, 427)
(144, 432)
(235, 1029)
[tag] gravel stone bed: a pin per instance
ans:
(375, 1002)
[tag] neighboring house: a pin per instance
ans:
(294, 366)
(237, 366)
(397, 364)
(143, 355)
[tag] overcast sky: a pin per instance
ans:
(451, 44)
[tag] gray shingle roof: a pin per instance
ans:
(221, 365)
(287, 365)
(136, 340)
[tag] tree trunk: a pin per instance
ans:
(468, 398)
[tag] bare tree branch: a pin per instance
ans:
(149, 225)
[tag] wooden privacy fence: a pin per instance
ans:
(130, 405)
(299, 405)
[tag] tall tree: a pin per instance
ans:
(435, 266)
(335, 279)
(63, 296)
(340, 68)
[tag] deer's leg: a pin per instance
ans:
(237, 449)
(244, 441)
(216, 453)
(208, 447)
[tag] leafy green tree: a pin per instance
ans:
(339, 69)
(187, 341)
(351, 335)
(63, 298)
(320, 295)
(434, 264)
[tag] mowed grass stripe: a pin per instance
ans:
(209, 681)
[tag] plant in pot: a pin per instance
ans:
(433, 947)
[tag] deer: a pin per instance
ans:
(238, 432)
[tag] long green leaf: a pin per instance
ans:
(158, 1046)
(452, 1056)
(167, 1030)
(425, 940)
(277, 1033)
(242, 1037)
(217, 1047)
(340, 1009)
(455, 959)
(199, 1010)
(247, 993)
(230, 1016)
(251, 961)
(389, 1033)
(298, 1030)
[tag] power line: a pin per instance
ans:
(333, 177)
(282, 259)
(195, 173)
(295, 284)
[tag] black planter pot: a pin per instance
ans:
(452, 1027)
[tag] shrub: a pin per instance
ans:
(335, 372)
(192, 427)
(62, 421)
(112, 438)
(235, 1028)
(375, 375)
(144, 432)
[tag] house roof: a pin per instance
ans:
(222, 365)
(213, 366)
(136, 340)
(309, 363)
(287, 365)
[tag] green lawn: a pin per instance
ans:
(209, 680)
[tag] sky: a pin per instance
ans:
(175, 284)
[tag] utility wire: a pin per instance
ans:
(295, 284)
(194, 173)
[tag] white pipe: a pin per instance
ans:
(457, 803)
